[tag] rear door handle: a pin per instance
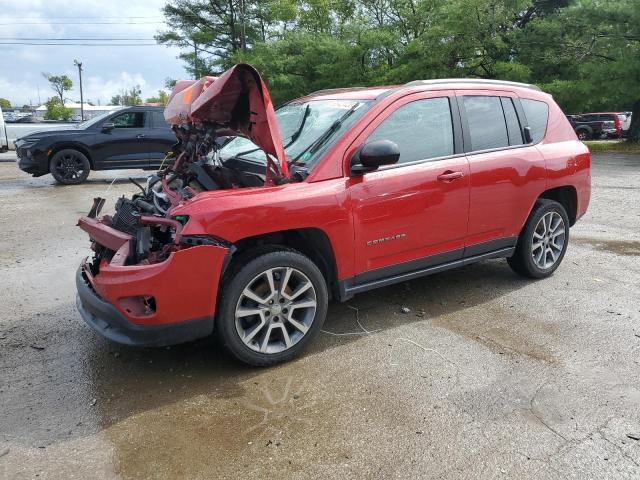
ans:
(140, 135)
(450, 176)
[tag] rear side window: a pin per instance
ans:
(158, 120)
(422, 129)
(537, 114)
(129, 120)
(514, 131)
(487, 127)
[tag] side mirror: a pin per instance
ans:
(108, 126)
(370, 156)
(528, 138)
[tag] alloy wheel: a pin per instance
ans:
(275, 310)
(549, 237)
(69, 167)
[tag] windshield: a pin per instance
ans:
(304, 127)
(97, 119)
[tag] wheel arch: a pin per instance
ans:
(51, 151)
(567, 196)
(311, 242)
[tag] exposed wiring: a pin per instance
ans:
(427, 349)
(164, 159)
(364, 330)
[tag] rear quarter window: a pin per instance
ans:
(537, 114)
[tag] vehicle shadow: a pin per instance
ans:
(102, 384)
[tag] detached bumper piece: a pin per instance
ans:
(105, 319)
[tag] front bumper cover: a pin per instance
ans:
(31, 159)
(182, 291)
(110, 323)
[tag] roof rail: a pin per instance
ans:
(331, 90)
(472, 81)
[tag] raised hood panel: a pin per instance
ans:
(237, 100)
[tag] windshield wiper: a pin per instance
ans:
(315, 146)
(292, 139)
(241, 154)
(297, 133)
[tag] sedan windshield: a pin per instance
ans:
(305, 128)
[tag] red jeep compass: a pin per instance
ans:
(261, 217)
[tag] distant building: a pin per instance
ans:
(89, 110)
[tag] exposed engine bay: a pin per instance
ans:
(202, 113)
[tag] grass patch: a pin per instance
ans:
(612, 146)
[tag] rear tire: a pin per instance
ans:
(69, 166)
(272, 306)
(583, 135)
(543, 241)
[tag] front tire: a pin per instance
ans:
(69, 166)
(272, 307)
(543, 241)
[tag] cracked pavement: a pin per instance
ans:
(486, 376)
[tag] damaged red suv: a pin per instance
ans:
(333, 194)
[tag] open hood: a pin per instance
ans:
(237, 101)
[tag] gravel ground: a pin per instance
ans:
(487, 376)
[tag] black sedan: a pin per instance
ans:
(129, 137)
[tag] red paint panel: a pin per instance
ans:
(504, 186)
(184, 286)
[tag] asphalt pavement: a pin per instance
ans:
(488, 375)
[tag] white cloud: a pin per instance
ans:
(107, 70)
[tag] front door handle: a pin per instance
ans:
(450, 176)
(140, 135)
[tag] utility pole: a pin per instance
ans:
(79, 65)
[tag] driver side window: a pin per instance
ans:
(422, 129)
(129, 120)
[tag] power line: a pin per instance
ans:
(86, 44)
(76, 17)
(81, 23)
(74, 39)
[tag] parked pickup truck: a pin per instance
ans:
(591, 126)
(129, 137)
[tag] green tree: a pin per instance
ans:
(585, 52)
(162, 97)
(212, 32)
(4, 103)
(56, 110)
(59, 84)
(128, 97)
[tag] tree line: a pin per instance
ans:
(61, 84)
(584, 52)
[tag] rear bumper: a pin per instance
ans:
(105, 319)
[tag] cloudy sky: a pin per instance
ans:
(106, 69)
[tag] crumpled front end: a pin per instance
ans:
(147, 283)
(170, 298)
